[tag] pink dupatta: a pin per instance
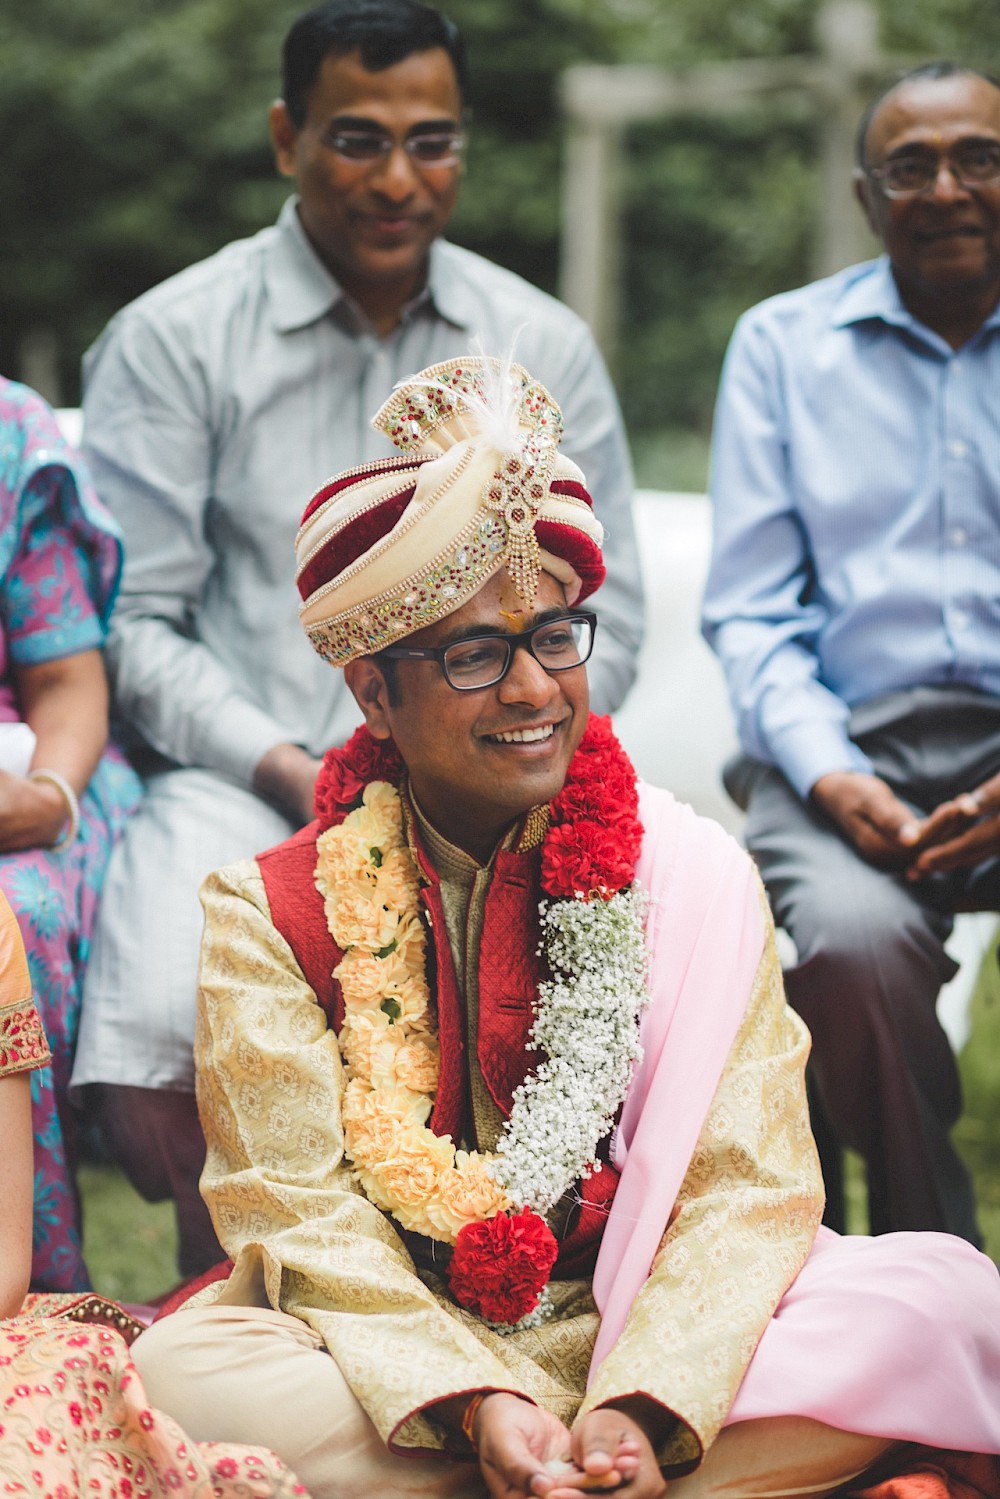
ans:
(897, 1336)
(706, 936)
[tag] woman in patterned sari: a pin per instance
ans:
(74, 1419)
(64, 793)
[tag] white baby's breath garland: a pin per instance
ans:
(587, 1024)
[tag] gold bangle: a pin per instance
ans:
(471, 1412)
(72, 805)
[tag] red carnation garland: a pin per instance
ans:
(501, 1265)
(346, 772)
(594, 834)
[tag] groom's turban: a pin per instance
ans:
(479, 484)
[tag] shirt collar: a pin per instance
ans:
(453, 299)
(299, 285)
(875, 295)
(302, 290)
(448, 860)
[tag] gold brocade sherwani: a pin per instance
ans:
(308, 1242)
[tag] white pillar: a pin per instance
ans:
(600, 102)
(590, 269)
(847, 32)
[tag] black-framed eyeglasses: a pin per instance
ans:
(432, 148)
(908, 176)
(483, 660)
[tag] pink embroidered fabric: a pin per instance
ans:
(941, 1475)
(74, 1420)
(23, 1046)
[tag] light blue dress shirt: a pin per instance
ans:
(856, 486)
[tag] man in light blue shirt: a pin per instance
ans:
(854, 600)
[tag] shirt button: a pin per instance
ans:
(959, 536)
(956, 366)
(960, 619)
(957, 448)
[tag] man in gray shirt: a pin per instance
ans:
(212, 404)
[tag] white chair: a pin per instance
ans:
(70, 419)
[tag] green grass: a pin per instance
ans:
(131, 1244)
(978, 1131)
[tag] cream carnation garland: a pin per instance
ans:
(586, 1024)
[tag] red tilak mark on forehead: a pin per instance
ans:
(515, 617)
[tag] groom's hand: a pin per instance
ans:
(516, 1442)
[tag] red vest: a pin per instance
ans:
(509, 973)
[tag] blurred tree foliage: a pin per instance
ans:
(722, 213)
(135, 142)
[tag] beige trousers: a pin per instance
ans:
(246, 1374)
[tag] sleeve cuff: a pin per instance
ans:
(807, 752)
(249, 734)
(40, 646)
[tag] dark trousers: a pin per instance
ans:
(871, 956)
(156, 1137)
